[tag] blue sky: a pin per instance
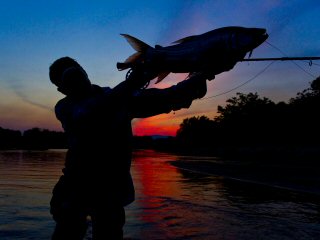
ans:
(34, 33)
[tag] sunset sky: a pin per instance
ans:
(35, 33)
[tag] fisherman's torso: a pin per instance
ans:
(99, 133)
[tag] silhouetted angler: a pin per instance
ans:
(96, 180)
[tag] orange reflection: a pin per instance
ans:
(155, 180)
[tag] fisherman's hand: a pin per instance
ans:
(207, 75)
(139, 76)
(199, 82)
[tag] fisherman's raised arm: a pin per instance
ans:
(153, 101)
(136, 78)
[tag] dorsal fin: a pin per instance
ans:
(137, 44)
(186, 39)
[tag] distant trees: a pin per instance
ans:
(246, 118)
(304, 110)
(10, 138)
(196, 132)
(249, 121)
(34, 138)
(37, 138)
(309, 95)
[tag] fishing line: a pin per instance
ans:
(248, 181)
(263, 70)
(301, 68)
(312, 63)
(242, 84)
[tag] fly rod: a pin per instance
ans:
(279, 59)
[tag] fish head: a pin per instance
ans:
(244, 40)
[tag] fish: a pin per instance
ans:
(209, 52)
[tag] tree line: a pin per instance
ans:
(251, 124)
(34, 138)
(247, 123)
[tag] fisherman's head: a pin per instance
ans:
(70, 78)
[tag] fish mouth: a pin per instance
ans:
(259, 35)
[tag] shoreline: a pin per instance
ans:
(296, 178)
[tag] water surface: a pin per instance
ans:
(170, 203)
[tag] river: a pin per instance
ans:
(170, 203)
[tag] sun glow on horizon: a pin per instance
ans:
(157, 125)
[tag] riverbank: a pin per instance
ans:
(298, 176)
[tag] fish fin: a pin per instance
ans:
(186, 39)
(161, 76)
(139, 46)
(129, 62)
(135, 43)
(133, 58)
(122, 66)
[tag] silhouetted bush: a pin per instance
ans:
(254, 125)
(10, 139)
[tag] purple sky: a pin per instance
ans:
(35, 33)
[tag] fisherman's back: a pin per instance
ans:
(99, 133)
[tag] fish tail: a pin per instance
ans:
(122, 66)
(137, 45)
